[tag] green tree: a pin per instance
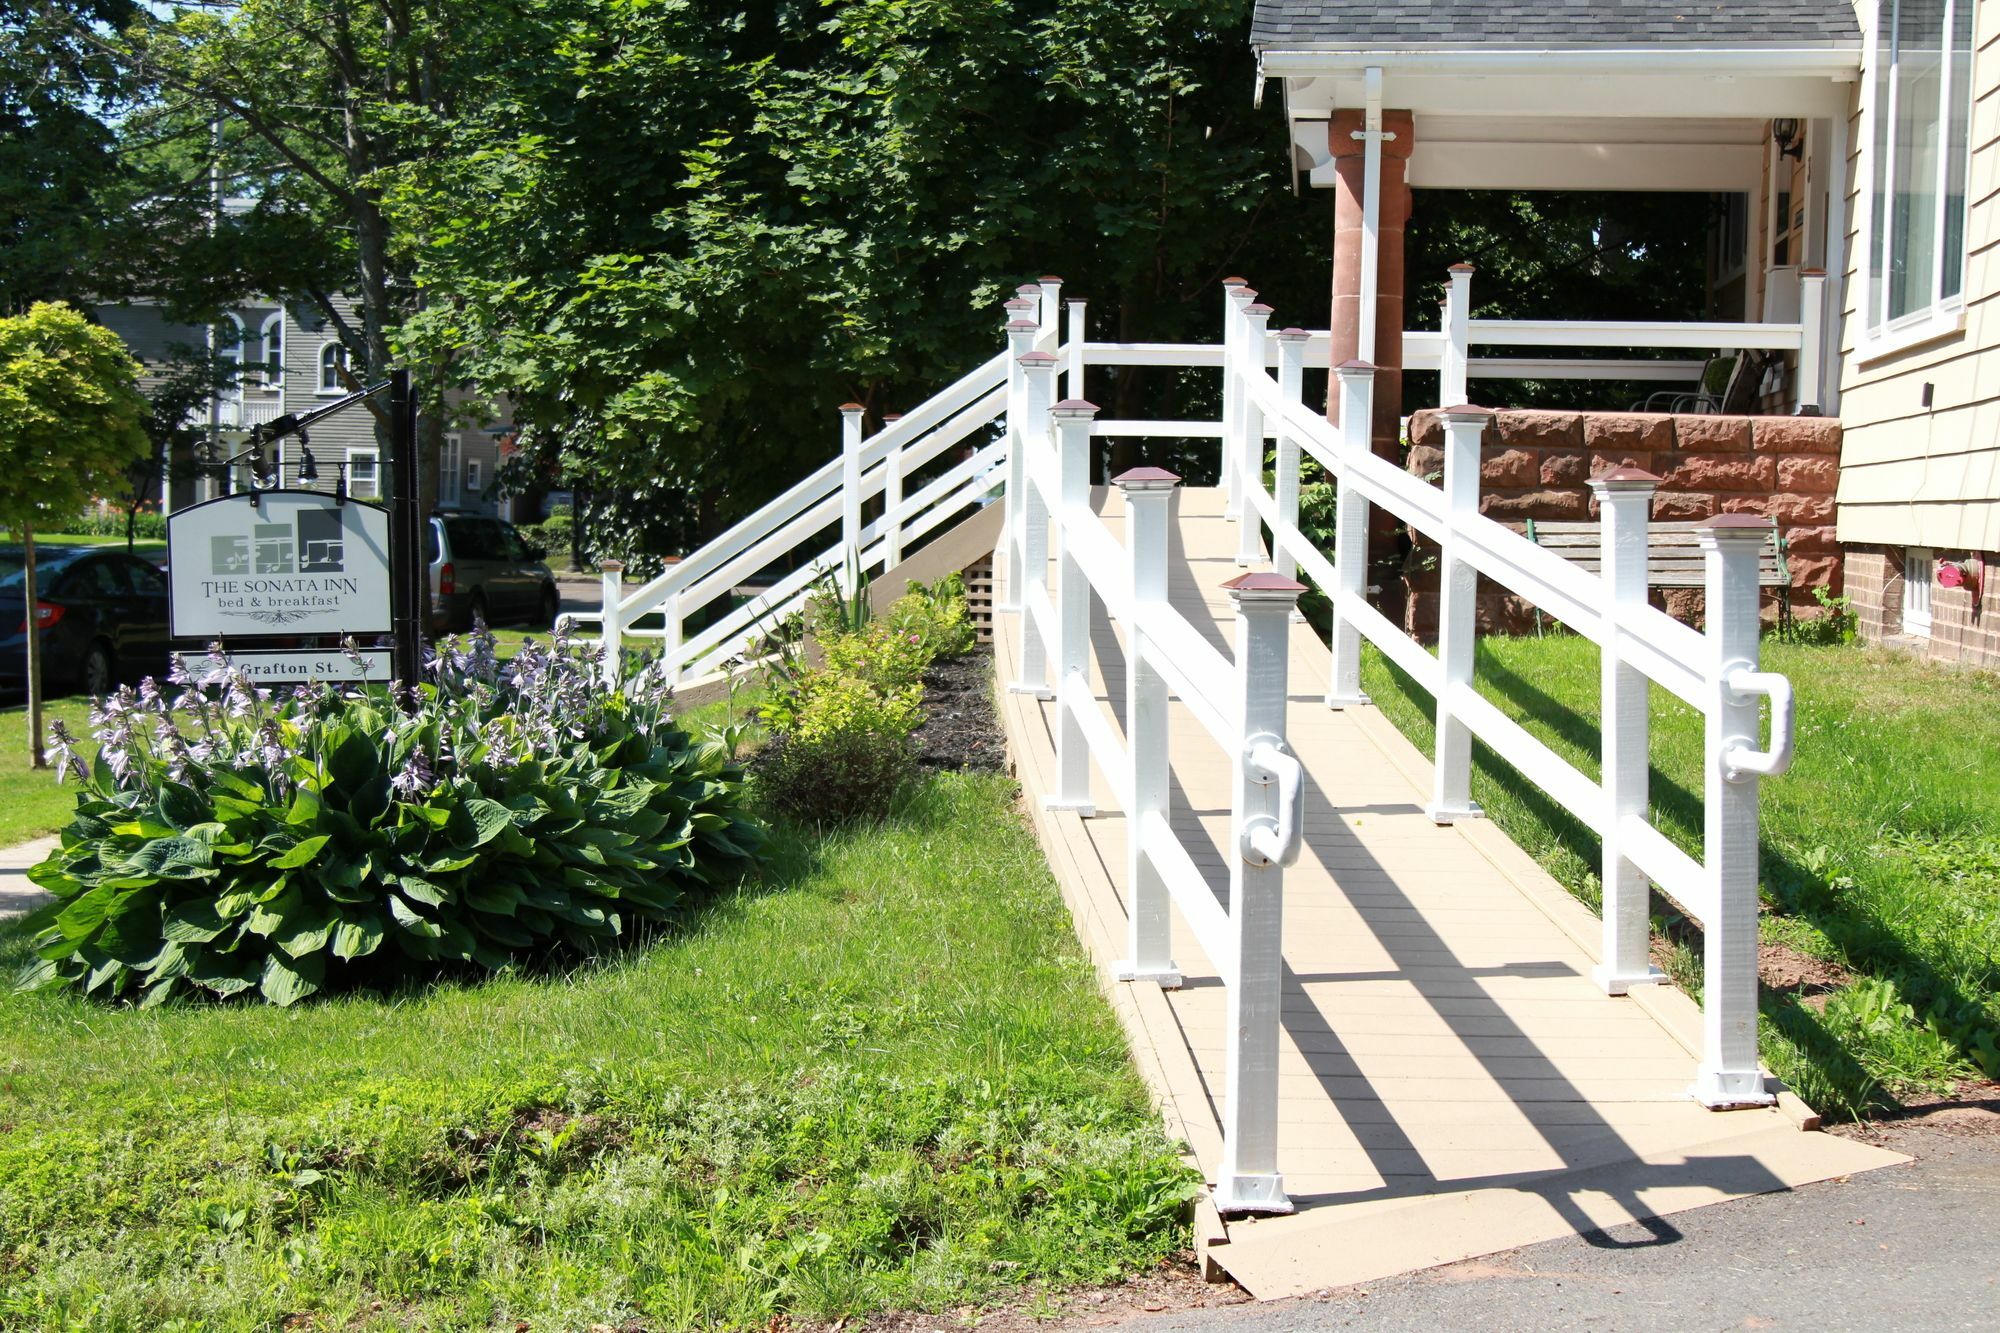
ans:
(70, 423)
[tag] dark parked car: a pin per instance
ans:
(481, 567)
(103, 618)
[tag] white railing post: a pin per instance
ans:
(1732, 547)
(1071, 420)
(1236, 294)
(1812, 344)
(1020, 341)
(1073, 381)
(1039, 370)
(1049, 290)
(1625, 502)
(1456, 366)
(850, 496)
(1255, 327)
(1149, 493)
(1458, 590)
(611, 591)
(670, 638)
(892, 499)
(1291, 388)
(1264, 801)
(1350, 537)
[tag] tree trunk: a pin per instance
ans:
(37, 756)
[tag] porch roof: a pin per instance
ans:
(1350, 24)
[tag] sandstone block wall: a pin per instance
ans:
(1537, 465)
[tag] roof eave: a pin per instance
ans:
(1838, 59)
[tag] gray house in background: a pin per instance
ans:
(292, 360)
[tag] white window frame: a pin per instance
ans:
(272, 376)
(1879, 335)
(1919, 575)
(373, 457)
(339, 351)
(451, 481)
(233, 351)
(475, 476)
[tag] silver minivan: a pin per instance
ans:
(482, 569)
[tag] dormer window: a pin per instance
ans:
(1920, 55)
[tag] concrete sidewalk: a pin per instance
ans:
(1915, 1246)
(17, 895)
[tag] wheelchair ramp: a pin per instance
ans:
(1452, 1082)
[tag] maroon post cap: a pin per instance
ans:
(1259, 309)
(1462, 267)
(1022, 326)
(1037, 359)
(1465, 410)
(1264, 583)
(1075, 407)
(892, 416)
(1293, 333)
(1236, 282)
(852, 407)
(1628, 474)
(1357, 365)
(1739, 523)
(1140, 475)
(1050, 277)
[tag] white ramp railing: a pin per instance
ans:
(1239, 700)
(1044, 453)
(1714, 672)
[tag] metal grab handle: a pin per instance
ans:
(1741, 759)
(1267, 839)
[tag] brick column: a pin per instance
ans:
(1387, 354)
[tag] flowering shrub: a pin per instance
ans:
(227, 841)
(937, 614)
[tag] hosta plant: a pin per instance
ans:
(229, 842)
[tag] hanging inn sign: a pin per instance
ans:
(289, 564)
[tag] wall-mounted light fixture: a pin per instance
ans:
(1786, 133)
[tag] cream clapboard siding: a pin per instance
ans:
(1911, 476)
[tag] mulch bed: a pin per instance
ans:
(961, 731)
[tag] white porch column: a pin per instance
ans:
(1730, 1076)
(1149, 493)
(1073, 381)
(1458, 590)
(1457, 338)
(1812, 318)
(1625, 499)
(1350, 537)
(1071, 419)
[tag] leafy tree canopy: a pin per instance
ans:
(70, 414)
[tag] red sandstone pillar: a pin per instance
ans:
(1387, 354)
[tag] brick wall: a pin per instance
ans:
(1537, 465)
(1965, 625)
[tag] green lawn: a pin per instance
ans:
(883, 1077)
(1881, 848)
(31, 803)
(145, 550)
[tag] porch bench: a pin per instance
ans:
(1673, 555)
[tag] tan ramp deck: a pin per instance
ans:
(1452, 1082)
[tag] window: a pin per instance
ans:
(475, 476)
(332, 360)
(273, 334)
(449, 476)
(229, 350)
(1921, 55)
(147, 581)
(1918, 574)
(364, 474)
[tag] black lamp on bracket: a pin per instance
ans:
(1785, 132)
(309, 467)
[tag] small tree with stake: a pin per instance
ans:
(70, 423)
